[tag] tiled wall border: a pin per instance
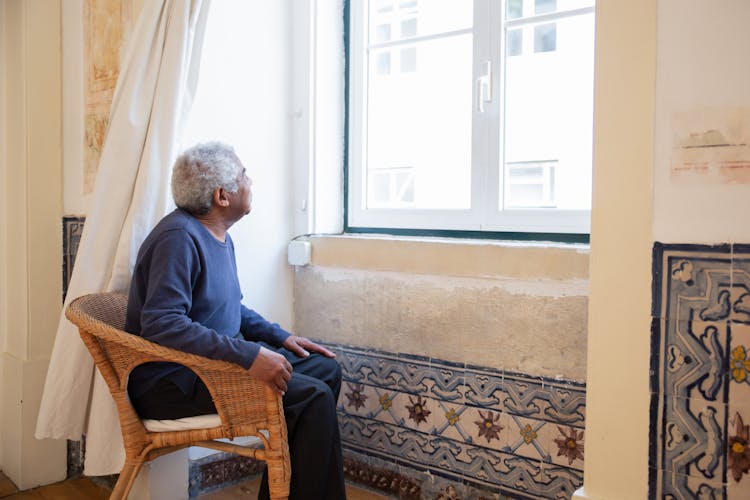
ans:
(72, 228)
(220, 470)
(700, 380)
(498, 431)
(72, 231)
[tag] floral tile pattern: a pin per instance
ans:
(701, 381)
(474, 427)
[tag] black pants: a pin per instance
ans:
(312, 425)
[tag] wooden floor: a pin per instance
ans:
(85, 489)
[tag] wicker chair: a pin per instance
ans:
(245, 406)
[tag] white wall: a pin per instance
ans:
(702, 80)
(244, 99)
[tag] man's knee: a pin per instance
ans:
(332, 375)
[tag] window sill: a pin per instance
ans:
(451, 257)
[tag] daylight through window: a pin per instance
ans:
(471, 115)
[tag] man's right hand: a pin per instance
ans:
(271, 368)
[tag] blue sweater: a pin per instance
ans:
(185, 294)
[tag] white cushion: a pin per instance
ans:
(182, 424)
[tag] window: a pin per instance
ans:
(471, 115)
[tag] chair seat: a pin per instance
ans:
(182, 424)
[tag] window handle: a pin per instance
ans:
(484, 86)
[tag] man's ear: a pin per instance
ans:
(220, 197)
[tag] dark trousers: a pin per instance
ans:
(312, 425)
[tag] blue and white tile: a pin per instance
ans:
(694, 437)
(693, 362)
(560, 482)
(566, 403)
(674, 485)
(455, 423)
(487, 428)
(692, 282)
(525, 396)
(565, 444)
(484, 388)
(525, 438)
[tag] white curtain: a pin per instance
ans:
(157, 80)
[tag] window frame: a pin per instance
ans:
(478, 221)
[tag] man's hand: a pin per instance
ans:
(302, 347)
(272, 368)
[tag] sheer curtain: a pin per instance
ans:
(152, 99)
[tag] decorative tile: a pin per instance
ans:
(694, 438)
(691, 279)
(563, 481)
(700, 369)
(565, 403)
(484, 388)
(456, 422)
(565, 445)
(483, 432)
(676, 485)
(72, 231)
(737, 446)
(220, 470)
(381, 478)
(693, 359)
(525, 438)
(487, 428)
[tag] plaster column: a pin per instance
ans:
(31, 258)
(617, 387)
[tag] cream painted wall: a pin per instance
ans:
(32, 254)
(617, 391)
(3, 212)
(705, 44)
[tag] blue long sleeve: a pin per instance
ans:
(185, 294)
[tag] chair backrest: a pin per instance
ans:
(100, 319)
(108, 308)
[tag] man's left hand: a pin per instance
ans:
(303, 347)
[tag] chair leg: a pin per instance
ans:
(278, 478)
(125, 481)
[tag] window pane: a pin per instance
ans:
(544, 6)
(514, 9)
(408, 28)
(383, 33)
(548, 117)
(514, 43)
(383, 5)
(432, 16)
(419, 122)
(383, 63)
(545, 37)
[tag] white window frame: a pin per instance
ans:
(486, 155)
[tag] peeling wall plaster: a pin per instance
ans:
(535, 327)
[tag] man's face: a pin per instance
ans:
(244, 193)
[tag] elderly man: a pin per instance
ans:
(185, 294)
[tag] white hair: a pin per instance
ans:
(199, 171)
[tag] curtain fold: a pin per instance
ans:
(153, 95)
